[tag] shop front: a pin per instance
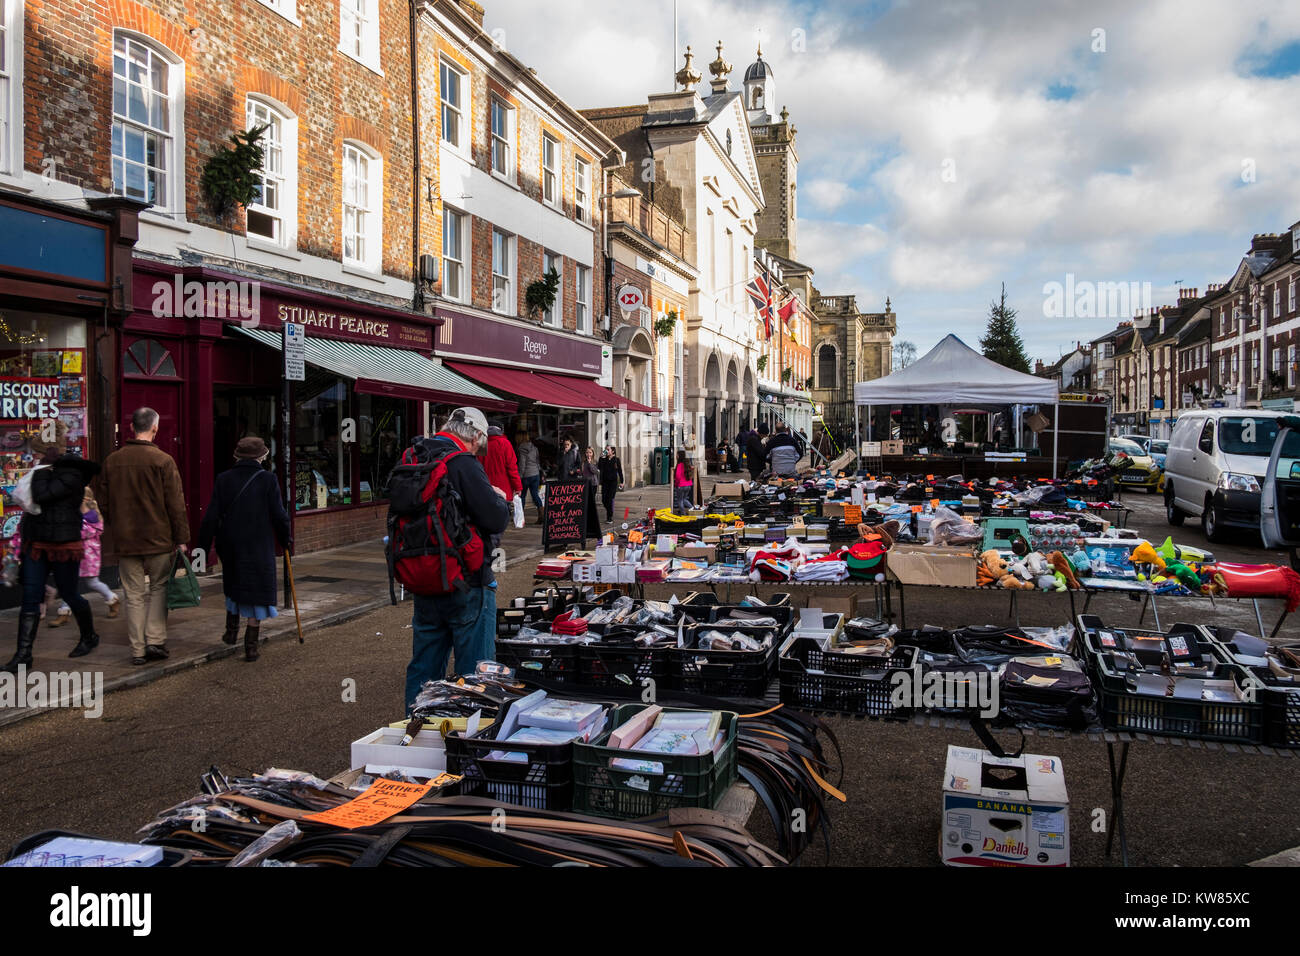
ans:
(551, 375)
(205, 350)
(63, 274)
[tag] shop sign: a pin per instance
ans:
(606, 366)
(666, 276)
(358, 329)
(28, 400)
(479, 338)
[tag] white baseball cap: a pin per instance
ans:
(471, 415)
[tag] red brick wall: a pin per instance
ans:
(329, 529)
(230, 48)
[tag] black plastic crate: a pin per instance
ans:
(821, 681)
(544, 781)
(1280, 697)
(1122, 708)
(621, 663)
(665, 781)
(729, 673)
(554, 662)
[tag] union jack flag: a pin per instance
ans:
(760, 293)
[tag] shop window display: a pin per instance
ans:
(43, 377)
(383, 432)
(322, 458)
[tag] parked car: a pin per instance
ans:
(1279, 509)
(1216, 463)
(1157, 448)
(1142, 471)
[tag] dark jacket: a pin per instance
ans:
(570, 464)
(246, 502)
(783, 453)
(611, 470)
(59, 490)
(141, 500)
(589, 472)
(755, 454)
(487, 511)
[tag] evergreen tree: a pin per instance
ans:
(1002, 341)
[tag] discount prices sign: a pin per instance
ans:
(28, 400)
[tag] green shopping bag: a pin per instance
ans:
(183, 585)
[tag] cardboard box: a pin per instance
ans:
(729, 489)
(891, 447)
(839, 604)
(703, 553)
(1004, 811)
(871, 449)
(921, 564)
(606, 554)
(584, 572)
(627, 571)
(381, 751)
(607, 573)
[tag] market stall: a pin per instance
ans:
(954, 376)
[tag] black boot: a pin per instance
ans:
(89, 639)
(232, 628)
(27, 625)
(250, 642)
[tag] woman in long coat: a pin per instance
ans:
(247, 519)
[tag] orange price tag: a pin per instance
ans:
(635, 537)
(852, 514)
(917, 509)
(934, 503)
(381, 800)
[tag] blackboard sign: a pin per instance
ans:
(565, 518)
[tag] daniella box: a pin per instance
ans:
(1004, 811)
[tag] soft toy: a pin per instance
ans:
(993, 569)
(1038, 565)
(1019, 569)
(1062, 565)
(1061, 583)
(1145, 554)
(1187, 577)
(1051, 582)
(1082, 563)
(1181, 552)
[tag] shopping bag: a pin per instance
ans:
(541, 493)
(183, 585)
(519, 512)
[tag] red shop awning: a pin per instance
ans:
(525, 384)
(598, 395)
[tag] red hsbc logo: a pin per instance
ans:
(630, 297)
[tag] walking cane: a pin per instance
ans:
(293, 593)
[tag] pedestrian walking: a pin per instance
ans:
(611, 479)
(143, 507)
(530, 471)
(590, 473)
(502, 467)
(742, 448)
(52, 546)
(246, 519)
(92, 529)
(464, 620)
(784, 452)
(683, 483)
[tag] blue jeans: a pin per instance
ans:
(465, 622)
(682, 499)
(33, 573)
(531, 486)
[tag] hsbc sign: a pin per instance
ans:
(630, 298)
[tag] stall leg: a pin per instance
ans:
(1073, 616)
(1258, 618)
(1117, 802)
(902, 607)
(1280, 621)
(1155, 611)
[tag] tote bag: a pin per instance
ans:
(183, 585)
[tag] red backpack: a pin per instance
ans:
(431, 547)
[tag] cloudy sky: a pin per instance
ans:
(949, 146)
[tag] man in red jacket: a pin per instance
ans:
(501, 465)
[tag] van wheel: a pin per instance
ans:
(1210, 523)
(1173, 514)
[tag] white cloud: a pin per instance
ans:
(1138, 176)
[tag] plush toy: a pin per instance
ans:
(1062, 565)
(1051, 582)
(993, 569)
(1181, 552)
(1187, 577)
(1082, 563)
(1037, 564)
(1061, 583)
(1019, 569)
(1145, 554)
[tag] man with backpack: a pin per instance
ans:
(442, 513)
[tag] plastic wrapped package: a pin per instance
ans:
(274, 839)
(947, 527)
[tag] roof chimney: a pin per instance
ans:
(472, 10)
(1265, 242)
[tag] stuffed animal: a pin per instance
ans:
(1061, 583)
(1037, 564)
(1145, 554)
(993, 569)
(1051, 582)
(1082, 563)
(1019, 569)
(1187, 577)
(1062, 565)
(1183, 553)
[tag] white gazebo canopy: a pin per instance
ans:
(952, 373)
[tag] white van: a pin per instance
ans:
(1216, 462)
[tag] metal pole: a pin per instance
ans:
(857, 438)
(1056, 435)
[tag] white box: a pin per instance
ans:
(626, 573)
(1004, 811)
(606, 554)
(608, 573)
(584, 572)
(380, 752)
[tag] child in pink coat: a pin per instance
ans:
(92, 528)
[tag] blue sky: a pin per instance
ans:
(947, 146)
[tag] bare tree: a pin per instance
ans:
(904, 354)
